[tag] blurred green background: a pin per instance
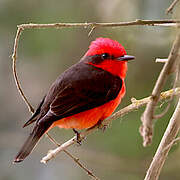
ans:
(43, 54)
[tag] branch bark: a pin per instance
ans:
(14, 58)
(146, 129)
(167, 22)
(165, 145)
(135, 105)
(75, 159)
(171, 7)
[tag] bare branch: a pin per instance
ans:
(167, 22)
(14, 58)
(171, 7)
(171, 98)
(146, 129)
(76, 160)
(175, 141)
(164, 146)
(136, 104)
(90, 32)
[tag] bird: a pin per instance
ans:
(83, 95)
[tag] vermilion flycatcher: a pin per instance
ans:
(82, 96)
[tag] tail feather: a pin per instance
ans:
(31, 141)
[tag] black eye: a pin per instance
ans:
(105, 56)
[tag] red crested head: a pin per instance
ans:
(106, 45)
(109, 55)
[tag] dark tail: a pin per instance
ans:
(31, 141)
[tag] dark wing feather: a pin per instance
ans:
(93, 88)
(80, 88)
(35, 115)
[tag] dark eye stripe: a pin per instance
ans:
(98, 58)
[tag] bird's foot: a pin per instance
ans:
(101, 126)
(78, 137)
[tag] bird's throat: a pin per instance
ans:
(116, 68)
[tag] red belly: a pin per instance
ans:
(90, 117)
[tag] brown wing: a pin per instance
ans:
(35, 115)
(86, 94)
(80, 88)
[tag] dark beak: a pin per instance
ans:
(125, 58)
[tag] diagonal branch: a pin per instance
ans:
(136, 104)
(165, 145)
(167, 140)
(75, 159)
(146, 128)
(171, 7)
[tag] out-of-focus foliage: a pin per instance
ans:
(44, 54)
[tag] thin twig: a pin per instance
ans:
(171, 98)
(164, 146)
(52, 140)
(136, 104)
(159, 60)
(76, 160)
(171, 7)
(146, 129)
(173, 142)
(90, 32)
(91, 25)
(14, 57)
